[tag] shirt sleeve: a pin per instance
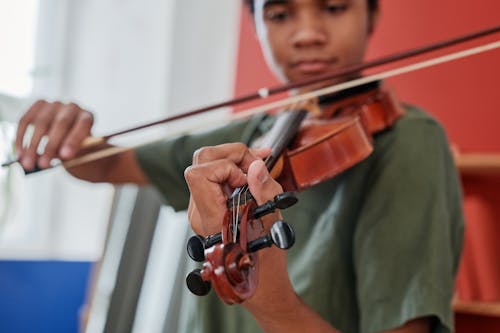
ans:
(164, 161)
(409, 233)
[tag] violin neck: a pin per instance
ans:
(282, 133)
(278, 139)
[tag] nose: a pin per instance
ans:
(309, 31)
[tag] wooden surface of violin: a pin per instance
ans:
(338, 138)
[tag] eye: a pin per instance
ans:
(335, 8)
(276, 14)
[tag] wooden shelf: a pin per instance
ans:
(478, 164)
(490, 309)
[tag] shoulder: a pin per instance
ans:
(419, 120)
(414, 126)
(415, 137)
(413, 157)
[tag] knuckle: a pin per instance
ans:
(242, 149)
(73, 106)
(192, 174)
(202, 154)
(188, 173)
(40, 102)
(63, 119)
(73, 109)
(240, 146)
(86, 117)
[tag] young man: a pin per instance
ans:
(377, 246)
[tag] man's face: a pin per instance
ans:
(304, 38)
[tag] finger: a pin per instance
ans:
(25, 120)
(261, 152)
(41, 122)
(236, 152)
(81, 130)
(195, 218)
(59, 128)
(262, 186)
(206, 184)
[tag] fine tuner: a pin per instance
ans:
(281, 235)
(197, 244)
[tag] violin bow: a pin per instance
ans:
(264, 93)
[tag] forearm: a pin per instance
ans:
(287, 313)
(292, 316)
(117, 169)
(275, 305)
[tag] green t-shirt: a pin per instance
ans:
(376, 246)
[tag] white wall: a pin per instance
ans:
(203, 64)
(128, 62)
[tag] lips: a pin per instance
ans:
(312, 66)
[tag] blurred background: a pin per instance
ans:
(128, 62)
(65, 243)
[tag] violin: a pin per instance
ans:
(339, 136)
(307, 147)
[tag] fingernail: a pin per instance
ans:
(44, 162)
(66, 152)
(27, 163)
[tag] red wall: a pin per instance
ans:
(463, 95)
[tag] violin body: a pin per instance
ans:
(322, 150)
(337, 139)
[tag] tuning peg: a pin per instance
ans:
(196, 245)
(281, 235)
(281, 201)
(196, 284)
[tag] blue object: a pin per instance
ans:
(42, 296)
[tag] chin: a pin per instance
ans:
(303, 77)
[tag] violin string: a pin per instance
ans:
(301, 97)
(236, 217)
(238, 199)
(233, 211)
(237, 221)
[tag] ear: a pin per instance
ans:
(374, 17)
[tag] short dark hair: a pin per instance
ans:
(372, 5)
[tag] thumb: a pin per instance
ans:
(262, 186)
